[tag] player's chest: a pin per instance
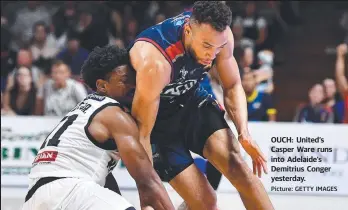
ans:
(185, 69)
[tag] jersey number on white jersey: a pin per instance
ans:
(54, 141)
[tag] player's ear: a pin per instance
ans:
(187, 28)
(101, 85)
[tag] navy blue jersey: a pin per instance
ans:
(167, 38)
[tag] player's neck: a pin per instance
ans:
(100, 93)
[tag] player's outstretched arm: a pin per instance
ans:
(235, 103)
(340, 68)
(124, 130)
(153, 74)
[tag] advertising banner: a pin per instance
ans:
(303, 159)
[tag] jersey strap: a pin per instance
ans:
(108, 144)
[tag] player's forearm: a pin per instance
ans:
(340, 66)
(236, 107)
(145, 112)
(340, 77)
(150, 187)
(153, 193)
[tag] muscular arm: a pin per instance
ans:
(153, 74)
(340, 77)
(234, 95)
(119, 125)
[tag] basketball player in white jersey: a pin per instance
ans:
(70, 169)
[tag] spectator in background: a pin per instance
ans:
(116, 26)
(63, 20)
(160, 17)
(25, 19)
(20, 99)
(119, 43)
(341, 79)
(334, 106)
(260, 105)
(131, 31)
(43, 46)
(73, 55)
(264, 74)
(24, 59)
(8, 56)
(59, 94)
(239, 40)
(246, 60)
(171, 8)
(254, 27)
(92, 33)
(314, 111)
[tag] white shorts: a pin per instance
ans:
(75, 194)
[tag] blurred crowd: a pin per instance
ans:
(44, 44)
(326, 100)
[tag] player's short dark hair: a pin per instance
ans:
(101, 62)
(215, 13)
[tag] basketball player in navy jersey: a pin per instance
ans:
(177, 115)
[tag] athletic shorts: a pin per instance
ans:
(73, 194)
(182, 126)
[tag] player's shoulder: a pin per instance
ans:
(147, 56)
(113, 116)
(103, 105)
(165, 33)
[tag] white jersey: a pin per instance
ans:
(71, 151)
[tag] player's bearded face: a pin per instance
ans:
(192, 47)
(203, 43)
(192, 53)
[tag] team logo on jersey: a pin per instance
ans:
(183, 73)
(46, 156)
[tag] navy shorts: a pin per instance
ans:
(182, 127)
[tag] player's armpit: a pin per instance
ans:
(123, 129)
(153, 74)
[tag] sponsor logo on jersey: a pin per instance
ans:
(176, 89)
(46, 156)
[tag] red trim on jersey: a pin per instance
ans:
(175, 50)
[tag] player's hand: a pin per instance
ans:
(341, 49)
(258, 158)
